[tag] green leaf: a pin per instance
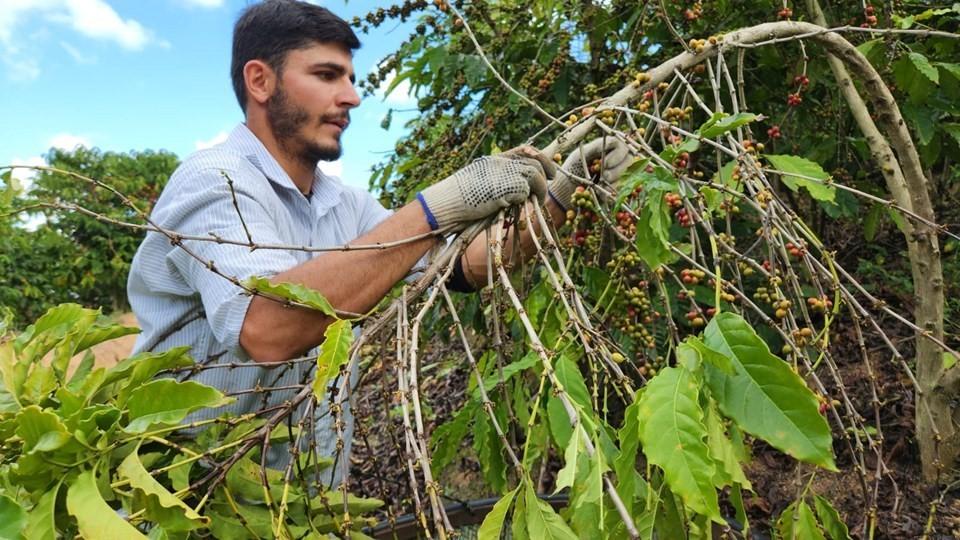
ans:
(797, 523)
(542, 521)
(873, 50)
(293, 292)
(953, 130)
(168, 402)
(12, 518)
(625, 464)
(672, 434)
(161, 505)
(529, 360)
(41, 431)
(335, 352)
(871, 222)
(923, 65)
(790, 166)
(897, 219)
(98, 334)
(492, 525)
(717, 126)
(834, 526)
(489, 450)
(765, 397)
(568, 373)
(40, 520)
(334, 500)
(571, 462)
(587, 500)
(723, 452)
(142, 367)
(949, 360)
(692, 352)
(95, 518)
(952, 69)
(447, 438)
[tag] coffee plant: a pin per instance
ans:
(696, 313)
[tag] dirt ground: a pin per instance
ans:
(114, 350)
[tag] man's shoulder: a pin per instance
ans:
(216, 159)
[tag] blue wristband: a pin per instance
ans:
(426, 210)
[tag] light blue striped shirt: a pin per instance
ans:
(179, 301)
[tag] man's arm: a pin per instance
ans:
(351, 281)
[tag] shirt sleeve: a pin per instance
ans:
(205, 207)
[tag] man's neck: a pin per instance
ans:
(300, 172)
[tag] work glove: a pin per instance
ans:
(485, 186)
(615, 158)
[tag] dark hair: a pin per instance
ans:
(268, 30)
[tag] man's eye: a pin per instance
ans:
(326, 75)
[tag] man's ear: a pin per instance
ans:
(260, 80)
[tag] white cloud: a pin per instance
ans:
(21, 69)
(94, 19)
(25, 176)
(400, 95)
(78, 56)
(217, 139)
(332, 168)
(69, 141)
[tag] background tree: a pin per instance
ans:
(68, 256)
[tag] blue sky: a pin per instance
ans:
(134, 75)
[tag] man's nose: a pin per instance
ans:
(348, 97)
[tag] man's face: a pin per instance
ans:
(311, 105)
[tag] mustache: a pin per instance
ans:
(343, 118)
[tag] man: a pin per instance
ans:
(293, 76)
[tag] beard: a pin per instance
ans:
(286, 122)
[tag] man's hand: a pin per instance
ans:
(615, 158)
(485, 186)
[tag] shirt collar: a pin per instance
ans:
(326, 190)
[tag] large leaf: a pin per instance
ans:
(168, 402)
(791, 166)
(572, 461)
(587, 499)
(568, 373)
(40, 520)
(95, 518)
(797, 523)
(446, 439)
(672, 433)
(765, 397)
(294, 292)
(142, 367)
(720, 123)
(40, 337)
(924, 66)
(542, 522)
(41, 431)
(723, 452)
(492, 525)
(529, 360)
(625, 464)
(99, 333)
(335, 352)
(830, 518)
(12, 518)
(161, 506)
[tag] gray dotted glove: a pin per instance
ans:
(615, 157)
(485, 186)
